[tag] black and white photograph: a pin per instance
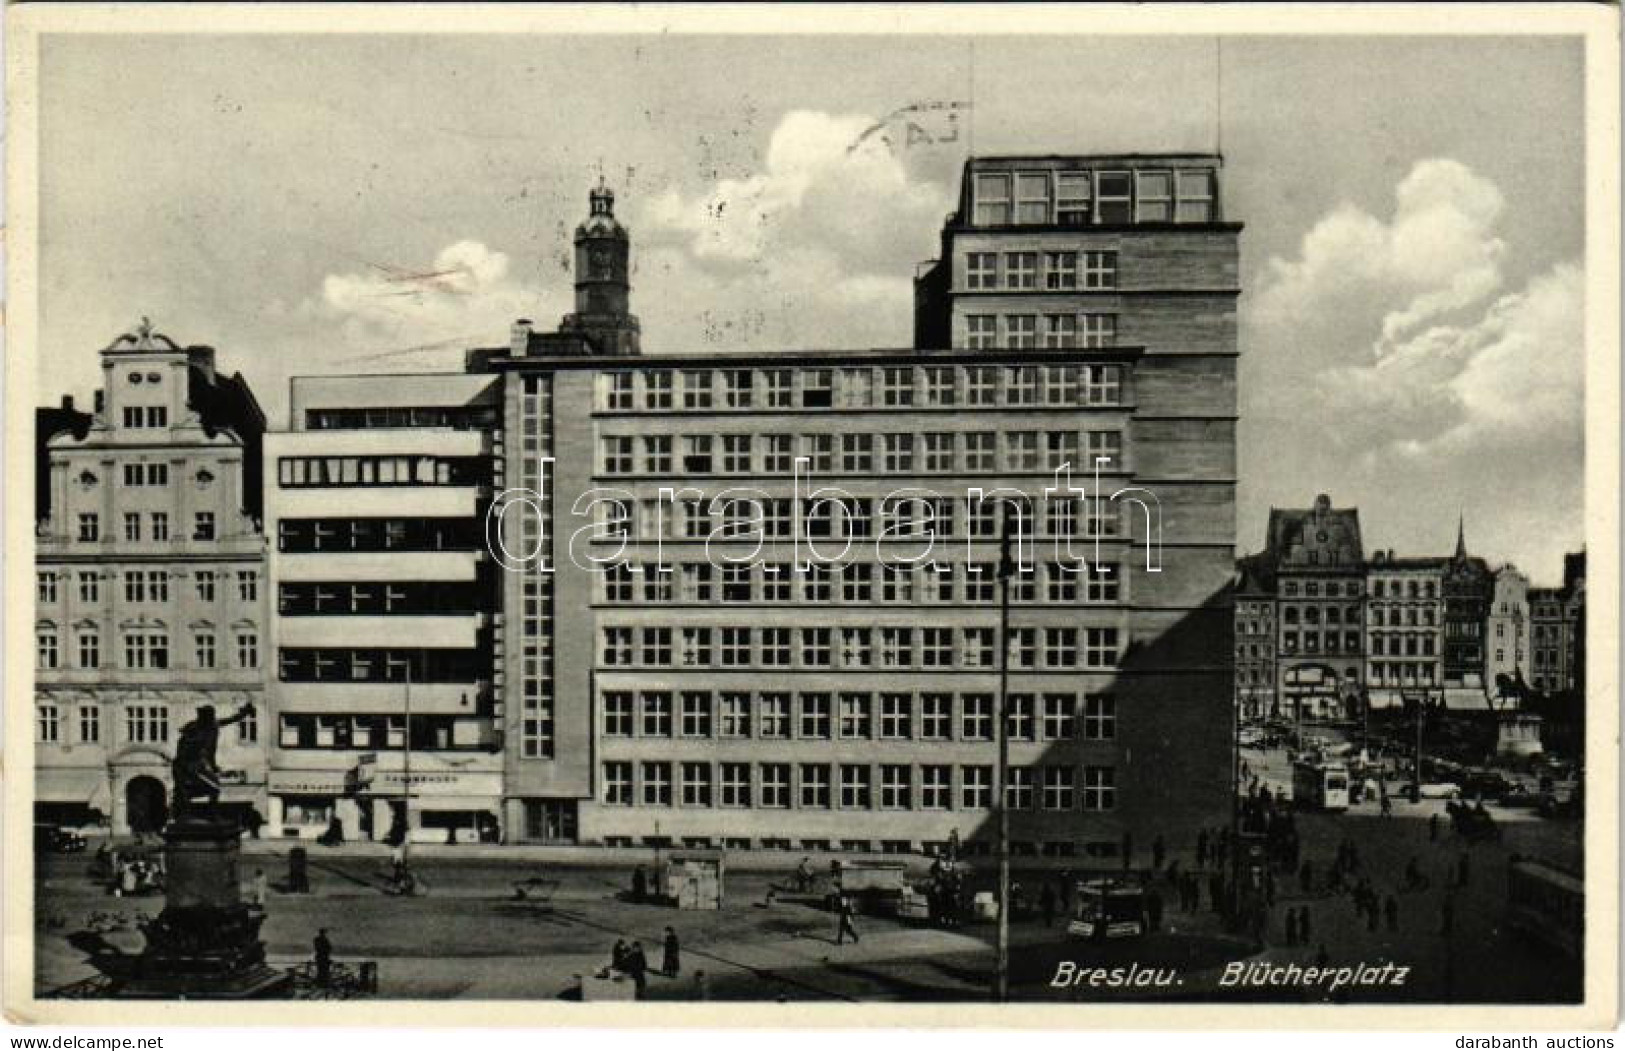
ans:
(619, 511)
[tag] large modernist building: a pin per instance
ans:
(149, 576)
(691, 644)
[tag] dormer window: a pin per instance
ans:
(1032, 197)
(992, 206)
(1072, 199)
(1155, 197)
(1114, 197)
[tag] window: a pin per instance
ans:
(854, 786)
(978, 648)
(736, 453)
(45, 648)
(855, 716)
(735, 647)
(617, 647)
(734, 781)
(981, 332)
(815, 786)
(775, 713)
(776, 647)
(696, 389)
(895, 712)
(857, 453)
(1102, 583)
(146, 724)
(1032, 197)
(146, 650)
(815, 716)
(1154, 193)
(1100, 647)
(696, 784)
(897, 387)
(975, 787)
(1100, 330)
(896, 647)
(248, 650)
(780, 388)
(1060, 331)
(980, 451)
(1195, 196)
(733, 715)
(90, 724)
(90, 649)
(1021, 270)
(203, 525)
(1060, 270)
(775, 784)
(656, 714)
(89, 527)
(936, 787)
(817, 389)
(777, 453)
(50, 724)
(939, 451)
(1099, 788)
(1113, 197)
(90, 586)
(896, 783)
(855, 649)
(132, 525)
(736, 388)
(656, 784)
(1018, 791)
(1060, 647)
(992, 206)
(696, 714)
(981, 270)
(1072, 199)
(1100, 270)
(618, 784)
(1059, 785)
(617, 714)
(1021, 386)
(657, 390)
(160, 525)
(617, 388)
(976, 717)
(1099, 717)
(1058, 716)
(936, 716)
(203, 649)
(656, 647)
(45, 586)
(248, 585)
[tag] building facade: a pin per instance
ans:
(1549, 640)
(1404, 629)
(149, 570)
(1255, 638)
(1466, 608)
(1507, 644)
(718, 654)
(387, 718)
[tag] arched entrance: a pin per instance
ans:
(146, 804)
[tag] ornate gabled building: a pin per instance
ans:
(1320, 576)
(1467, 583)
(149, 569)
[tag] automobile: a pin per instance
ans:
(1441, 790)
(54, 839)
(1520, 797)
(1485, 784)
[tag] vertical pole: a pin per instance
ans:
(406, 771)
(1416, 770)
(1007, 568)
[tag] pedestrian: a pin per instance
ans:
(617, 956)
(397, 864)
(324, 958)
(844, 925)
(1046, 904)
(1159, 850)
(257, 892)
(640, 884)
(1433, 827)
(670, 963)
(637, 964)
(804, 876)
(1153, 910)
(1391, 908)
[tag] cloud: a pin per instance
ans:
(817, 248)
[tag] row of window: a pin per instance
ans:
(859, 452)
(854, 716)
(349, 664)
(145, 416)
(1313, 588)
(1411, 589)
(90, 525)
(1062, 271)
(459, 417)
(1407, 616)
(143, 724)
(143, 585)
(348, 732)
(1314, 642)
(1057, 647)
(308, 472)
(903, 519)
(854, 786)
(304, 535)
(142, 649)
(1087, 197)
(892, 386)
(330, 598)
(1402, 673)
(1312, 614)
(1386, 645)
(701, 582)
(1050, 331)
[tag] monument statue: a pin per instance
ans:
(195, 772)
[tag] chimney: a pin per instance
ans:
(519, 338)
(67, 403)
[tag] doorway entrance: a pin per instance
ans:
(146, 805)
(550, 820)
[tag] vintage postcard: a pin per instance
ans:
(936, 515)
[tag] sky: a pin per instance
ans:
(1412, 305)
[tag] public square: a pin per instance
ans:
(468, 936)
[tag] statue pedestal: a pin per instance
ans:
(205, 944)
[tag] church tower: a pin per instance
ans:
(603, 286)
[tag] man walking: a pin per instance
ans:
(844, 924)
(669, 964)
(324, 958)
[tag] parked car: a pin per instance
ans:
(1485, 784)
(54, 839)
